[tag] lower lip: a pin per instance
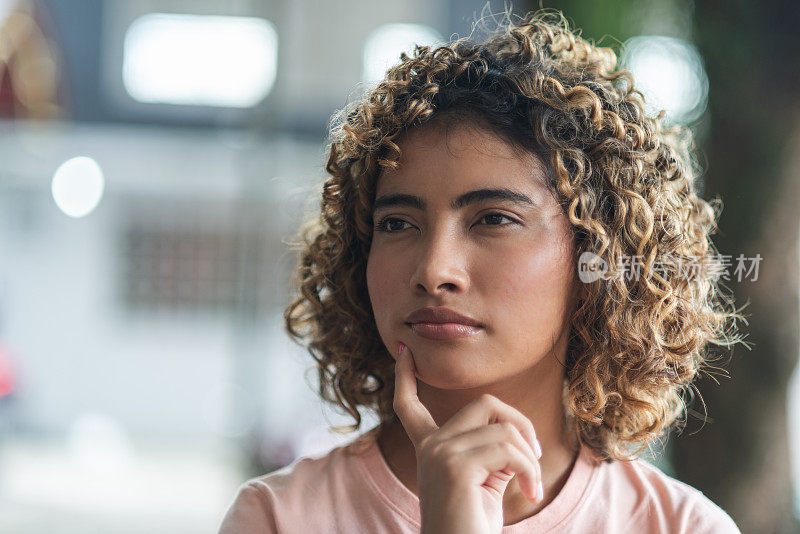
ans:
(444, 331)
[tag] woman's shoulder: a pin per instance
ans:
(333, 465)
(309, 487)
(654, 498)
(312, 474)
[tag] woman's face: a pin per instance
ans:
(467, 223)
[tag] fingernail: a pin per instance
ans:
(537, 448)
(400, 350)
(540, 491)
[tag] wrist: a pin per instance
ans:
(443, 514)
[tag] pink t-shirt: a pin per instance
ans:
(350, 493)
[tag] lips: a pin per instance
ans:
(442, 324)
(440, 315)
(443, 331)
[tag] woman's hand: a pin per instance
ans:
(463, 467)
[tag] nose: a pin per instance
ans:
(440, 267)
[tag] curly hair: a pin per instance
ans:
(625, 181)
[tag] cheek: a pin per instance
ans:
(535, 285)
(379, 285)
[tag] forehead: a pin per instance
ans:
(464, 154)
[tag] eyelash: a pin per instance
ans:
(382, 224)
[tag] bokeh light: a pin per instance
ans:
(670, 73)
(200, 60)
(384, 45)
(78, 186)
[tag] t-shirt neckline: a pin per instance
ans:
(403, 501)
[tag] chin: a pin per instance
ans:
(451, 376)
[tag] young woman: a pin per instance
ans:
(464, 281)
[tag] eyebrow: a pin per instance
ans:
(471, 197)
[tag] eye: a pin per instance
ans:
(392, 225)
(383, 225)
(495, 217)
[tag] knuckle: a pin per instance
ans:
(425, 442)
(427, 446)
(436, 450)
(529, 427)
(506, 447)
(508, 428)
(487, 398)
(398, 404)
(452, 465)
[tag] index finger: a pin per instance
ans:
(487, 410)
(414, 416)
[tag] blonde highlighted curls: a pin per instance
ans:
(625, 181)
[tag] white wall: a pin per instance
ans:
(80, 350)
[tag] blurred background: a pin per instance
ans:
(156, 155)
